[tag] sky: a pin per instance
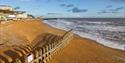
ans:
(70, 8)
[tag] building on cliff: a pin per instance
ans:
(8, 12)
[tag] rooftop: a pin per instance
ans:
(5, 6)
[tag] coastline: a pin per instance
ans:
(79, 50)
(79, 30)
(69, 55)
(86, 38)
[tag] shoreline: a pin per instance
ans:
(100, 44)
(107, 52)
(79, 50)
(86, 38)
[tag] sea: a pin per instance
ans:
(109, 32)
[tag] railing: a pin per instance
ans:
(45, 53)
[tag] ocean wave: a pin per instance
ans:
(89, 30)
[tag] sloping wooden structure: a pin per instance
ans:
(43, 48)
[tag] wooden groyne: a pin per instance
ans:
(53, 46)
(41, 51)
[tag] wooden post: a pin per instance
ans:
(40, 55)
(50, 52)
(43, 56)
(67, 33)
(37, 55)
(47, 54)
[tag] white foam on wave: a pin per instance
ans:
(101, 40)
(111, 44)
(68, 25)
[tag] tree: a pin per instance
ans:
(30, 16)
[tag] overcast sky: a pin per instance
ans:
(70, 8)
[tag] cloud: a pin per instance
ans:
(53, 13)
(72, 8)
(67, 5)
(23, 0)
(55, 0)
(117, 9)
(60, 0)
(70, 5)
(42, 0)
(102, 12)
(117, 0)
(77, 10)
(62, 5)
(109, 6)
(108, 11)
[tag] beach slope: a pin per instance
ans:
(82, 50)
(79, 50)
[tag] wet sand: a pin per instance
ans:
(82, 50)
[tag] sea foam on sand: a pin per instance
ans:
(66, 25)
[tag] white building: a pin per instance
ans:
(21, 14)
(10, 13)
(6, 7)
